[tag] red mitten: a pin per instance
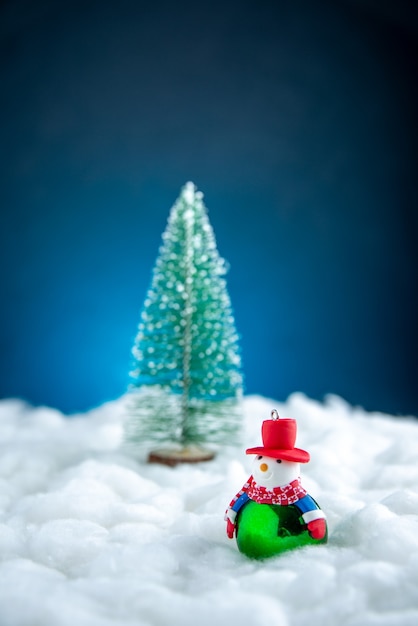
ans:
(317, 528)
(230, 527)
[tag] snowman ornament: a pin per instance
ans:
(273, 513)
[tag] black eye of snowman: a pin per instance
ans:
(278, 461)
(259, 458)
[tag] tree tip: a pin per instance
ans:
(189, 191)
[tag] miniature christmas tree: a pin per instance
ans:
(187, 365)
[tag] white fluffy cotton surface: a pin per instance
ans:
(92, 536)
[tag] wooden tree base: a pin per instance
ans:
(175, 456)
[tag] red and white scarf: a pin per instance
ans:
(289, 494)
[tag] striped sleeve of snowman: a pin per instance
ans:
(275, 483)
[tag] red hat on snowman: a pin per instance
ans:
(279, 437)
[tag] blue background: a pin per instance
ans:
(298, 122)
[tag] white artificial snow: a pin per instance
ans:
(91, 536)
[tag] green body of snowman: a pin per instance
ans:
(273, 513)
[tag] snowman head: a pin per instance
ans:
(269, 472)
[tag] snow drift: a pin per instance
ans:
(90, 535)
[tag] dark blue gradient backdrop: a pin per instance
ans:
(297, 120)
